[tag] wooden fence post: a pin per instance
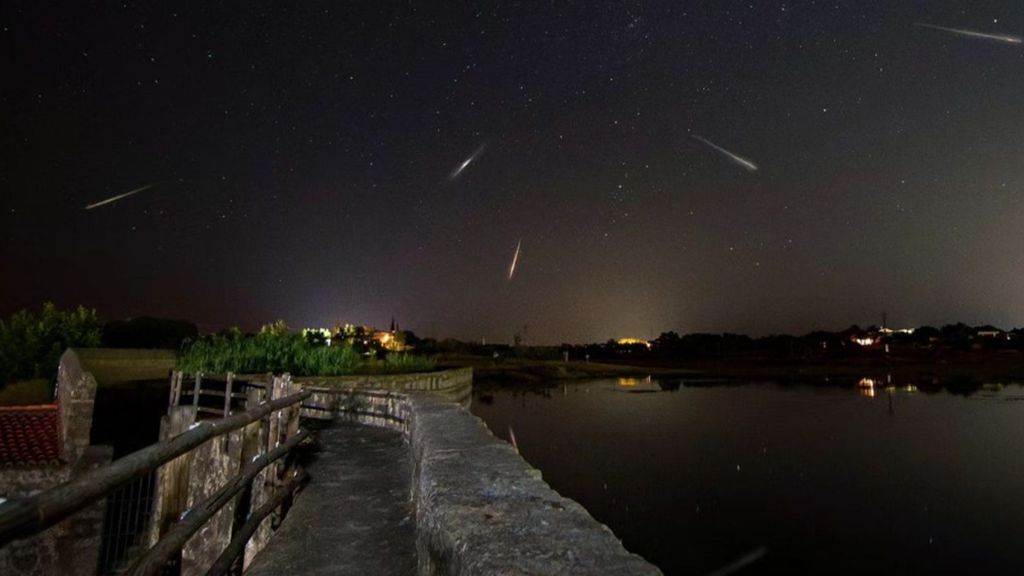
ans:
(175, 398)
(266, 483)
(214, 464)
(171, 497)
(227, 393)
(195, 393)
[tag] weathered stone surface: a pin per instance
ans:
(170, 499)
(116, 365)
(76, 394)
(347, 395)
(72, 546)
(423, 381)
(480, 508)
(355, 516)
(212, 465)
(283, 424)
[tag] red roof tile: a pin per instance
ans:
(29, 435)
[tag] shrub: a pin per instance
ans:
(274, 349)
(31, 345)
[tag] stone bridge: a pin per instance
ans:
(408, 481)
(402, 479)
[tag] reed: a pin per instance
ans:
(278, 351)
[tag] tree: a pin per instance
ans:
(279, 328)
(31, 345)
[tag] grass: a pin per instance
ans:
(26, 392)
(396, 363)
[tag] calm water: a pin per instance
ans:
(826, 479)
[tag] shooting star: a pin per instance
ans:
(515, 259)
(741, 161)
(974, 34)
(465, 163)
(741, 563)
(119, 197)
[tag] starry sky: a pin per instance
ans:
(309, 162)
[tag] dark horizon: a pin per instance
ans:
(253, 325)
(775, 168)
(161, 325)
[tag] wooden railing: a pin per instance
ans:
(25, 517)
(228, 388)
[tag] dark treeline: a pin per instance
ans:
(30, 342)
(148, 332)
(851, 343)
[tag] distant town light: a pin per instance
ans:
(632, 342)
(897, 331)
(325, 333)
(628, 382)
(867, 387)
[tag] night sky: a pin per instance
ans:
(304, 164)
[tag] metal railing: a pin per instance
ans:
(27, 516)
(128, 513)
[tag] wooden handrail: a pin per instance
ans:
(24, 517)
(237, 545)
(153, 560)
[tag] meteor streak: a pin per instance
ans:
(974, 34)
(515, 259)
(119, 197)
(741, 161)
(465, 163)
(741, 563)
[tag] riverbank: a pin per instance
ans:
(756, 464)
(514, 371)
(524, 371)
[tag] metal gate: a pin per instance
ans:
(124, 529)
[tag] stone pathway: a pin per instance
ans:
(355, 516)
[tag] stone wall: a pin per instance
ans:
(71, 547)
(480, 508)
(113, 366)
(38, 554)
(425, 381)
(367, 395)
(186, 482)
(76, 395)
(213, 464)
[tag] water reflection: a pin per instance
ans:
(867, 386)
(699, 473)
(634, 382)
(670, 385)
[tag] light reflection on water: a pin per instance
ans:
(877, 478)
